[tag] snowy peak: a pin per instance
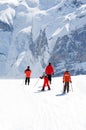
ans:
(35, 32)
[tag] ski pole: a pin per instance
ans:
(36, 82)
(63, 86)
(71, 87)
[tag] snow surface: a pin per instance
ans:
(25, 108)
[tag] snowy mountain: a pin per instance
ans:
(35, 32)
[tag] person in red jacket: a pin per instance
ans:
(66, 80)
(49, 70)
(46, 82)
(27, 75)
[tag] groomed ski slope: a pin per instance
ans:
(25, 108)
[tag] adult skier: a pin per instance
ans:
(46, 82)
(49, 70)
(27, 75)
(66, 80)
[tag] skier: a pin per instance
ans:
(46, 82)
(27, 75)
(66, 80)
(49, 70)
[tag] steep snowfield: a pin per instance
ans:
(23, 21)
(25, 108)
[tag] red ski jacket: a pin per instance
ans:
(66, 77)
(27, 73)
(46, 81)
(49, 70)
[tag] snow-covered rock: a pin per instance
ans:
(35, 32)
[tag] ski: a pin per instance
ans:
(61, 94)
(42, 91)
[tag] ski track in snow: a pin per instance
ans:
(22, 107)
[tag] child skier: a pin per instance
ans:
(46, 82)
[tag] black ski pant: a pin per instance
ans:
(27, 80)
(49, 78)
(66, 87)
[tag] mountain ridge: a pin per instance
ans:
(34, 34)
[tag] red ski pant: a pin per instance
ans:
(46, 84)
